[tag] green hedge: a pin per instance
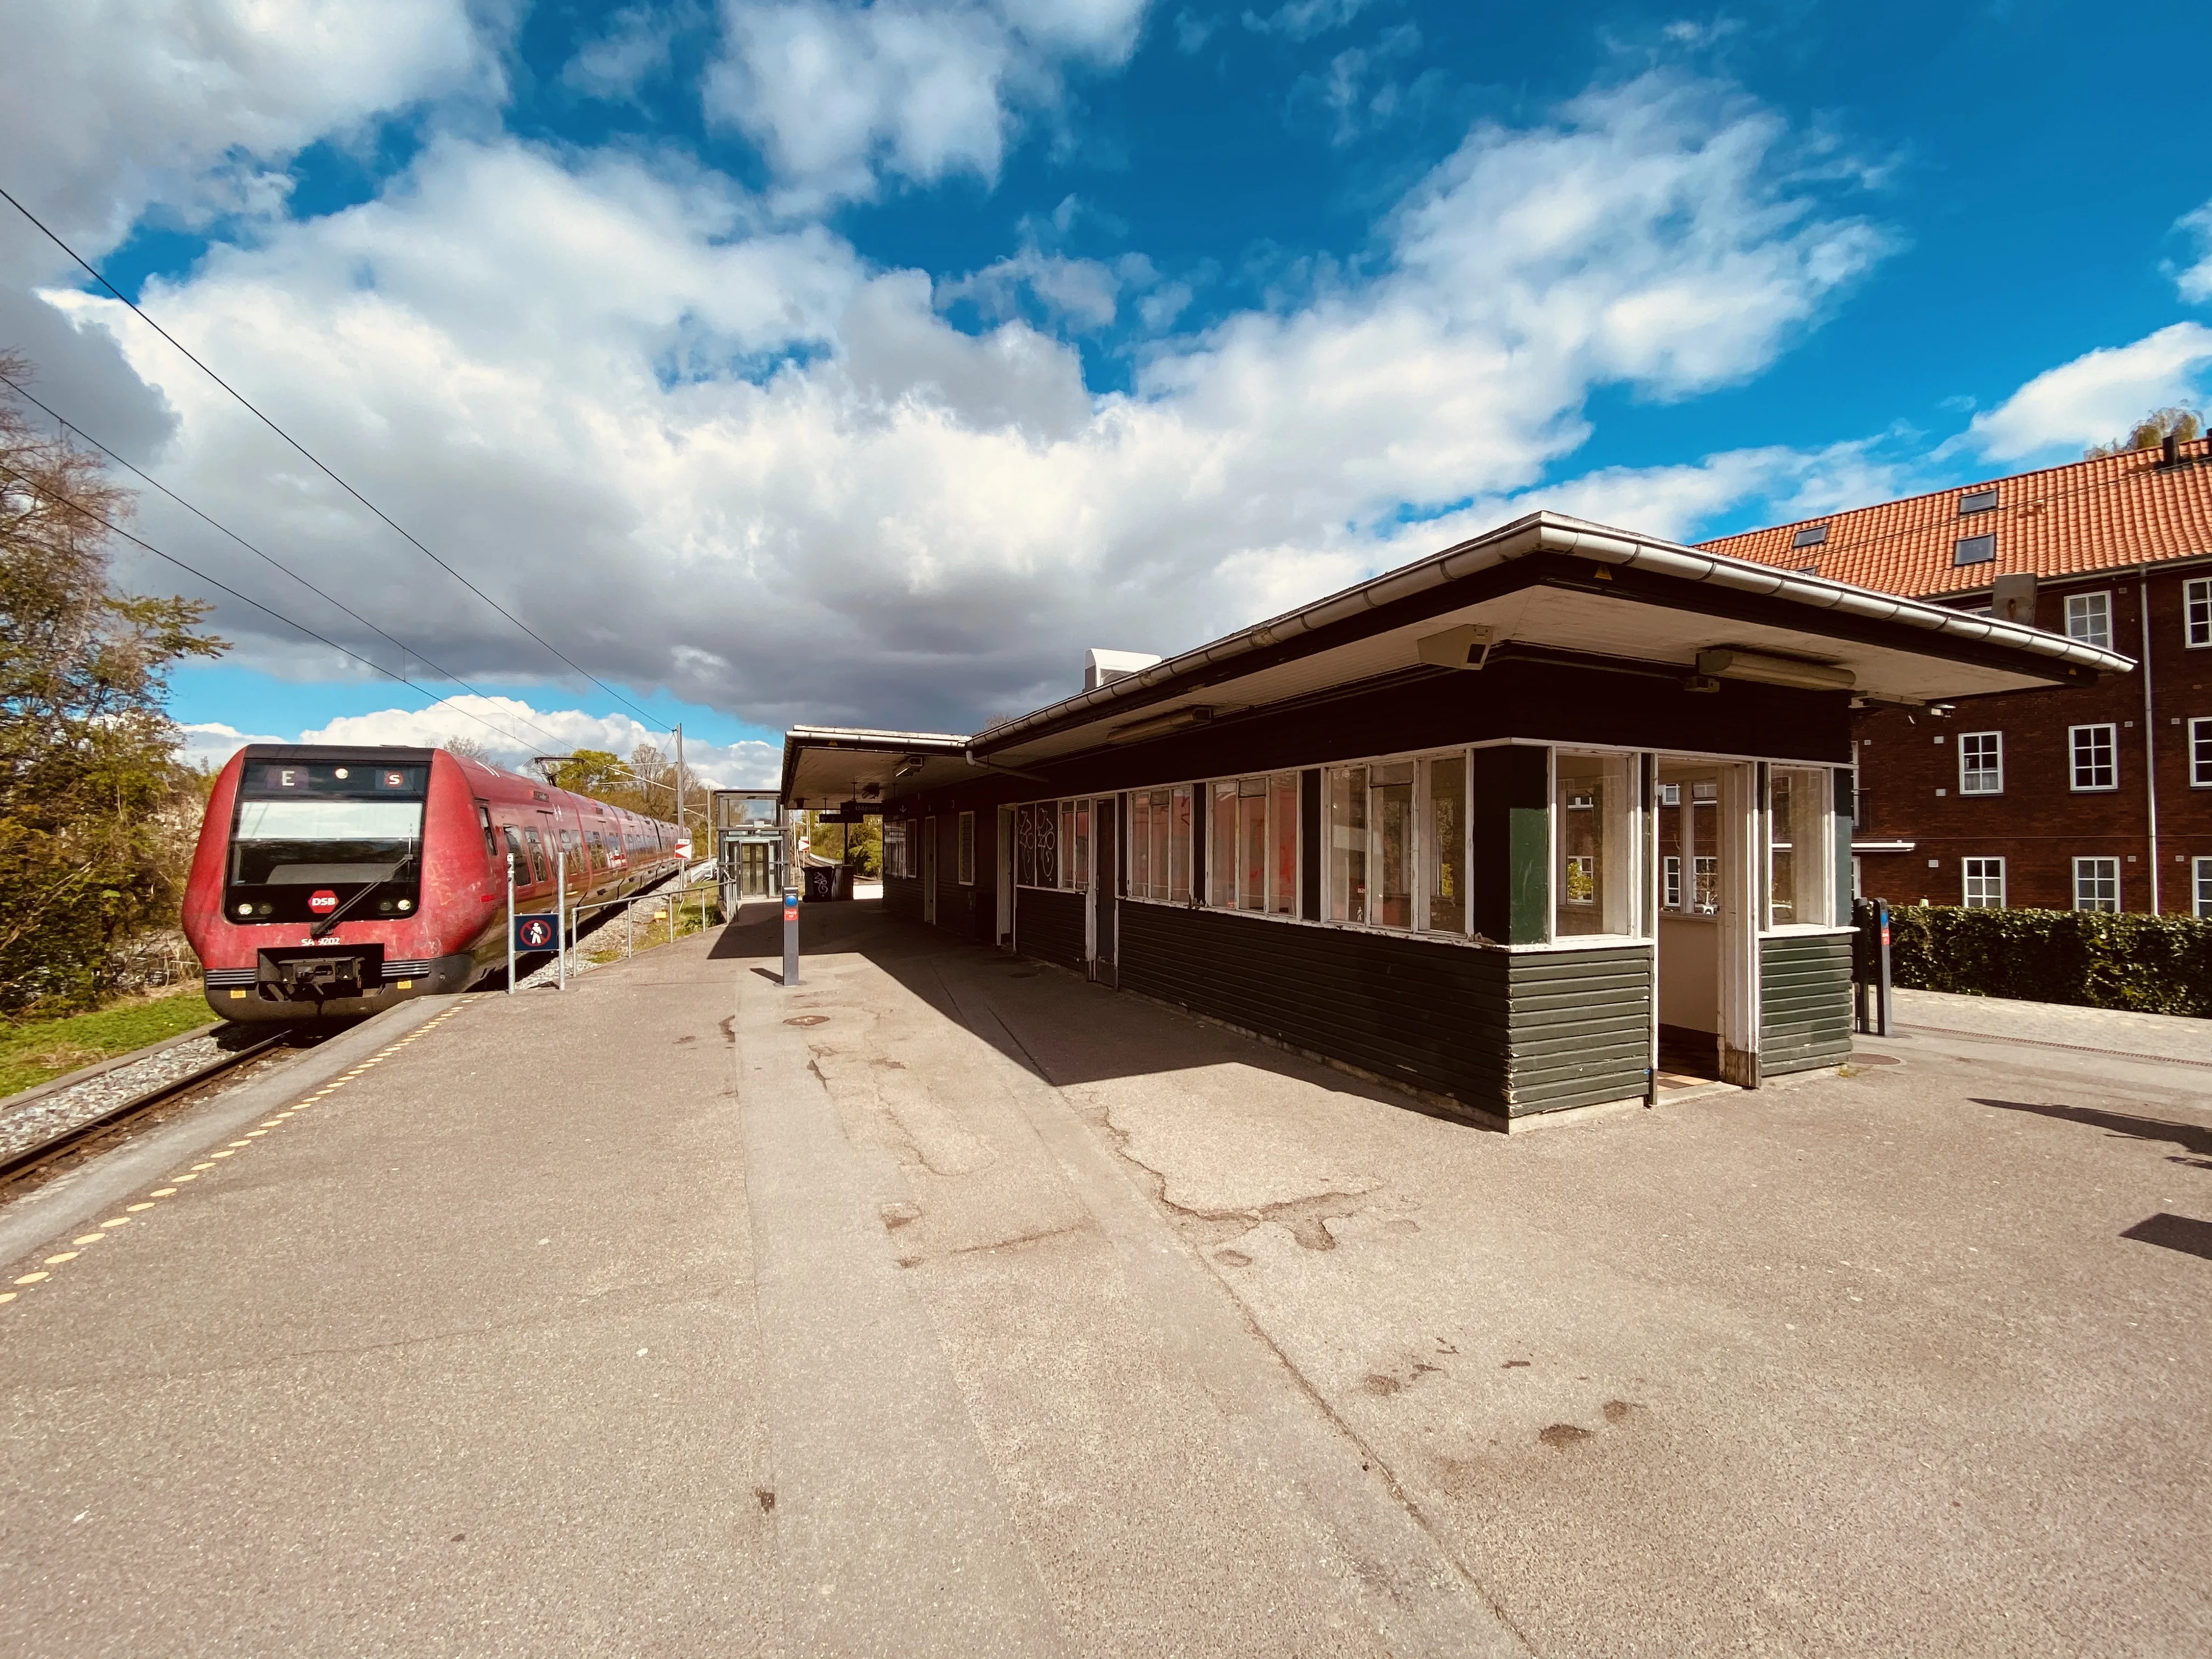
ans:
(2094, 958)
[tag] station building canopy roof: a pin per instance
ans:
(826, 766)
(1546, 586)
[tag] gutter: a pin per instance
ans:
(1549, 532)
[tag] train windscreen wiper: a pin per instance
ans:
(335, 916)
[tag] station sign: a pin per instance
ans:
(537, 932)
(684, 848)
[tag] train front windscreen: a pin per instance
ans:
(312, 840)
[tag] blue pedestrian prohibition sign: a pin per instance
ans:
(535, 932)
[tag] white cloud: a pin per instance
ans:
(635, 47)
(836, 94)
(188, 103)
(2194, 281)
(1302, 20)
(511, 731)
(706, 453)
(2097, 396)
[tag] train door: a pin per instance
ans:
(929, 871)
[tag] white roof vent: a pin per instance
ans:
(1103, 667)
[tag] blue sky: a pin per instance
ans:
(797, 360)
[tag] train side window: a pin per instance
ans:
(598, 851)
(537, 856)
(483, 820)
(514, 851)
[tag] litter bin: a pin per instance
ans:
(828, 881)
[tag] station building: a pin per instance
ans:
(1542, 821)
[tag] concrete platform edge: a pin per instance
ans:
(68, 1202)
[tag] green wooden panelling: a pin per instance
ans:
(1804, 1002)
(1507, 1034)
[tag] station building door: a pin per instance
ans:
(1704, 819)
(754, 865)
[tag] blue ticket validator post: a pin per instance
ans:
(790, 936)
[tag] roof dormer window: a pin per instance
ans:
(1978, 501)
(1810, 536)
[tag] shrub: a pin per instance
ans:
(2092, 958)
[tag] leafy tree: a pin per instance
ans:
(2151, 431)
(860, 845)
(93, 800)
(645, 783)
(467, 748)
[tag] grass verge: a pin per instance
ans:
(38, 1050)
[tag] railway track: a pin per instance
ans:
(24, 1159)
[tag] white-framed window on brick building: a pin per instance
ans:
(2095, 757)
(2089, 619)
(1985, 884)
(2200, 754)
(1981, 762)
(2202, 868)
(2096, 884)
(2197, 612)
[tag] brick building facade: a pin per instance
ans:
(2093, 797)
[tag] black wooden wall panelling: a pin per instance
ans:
(902, 897)
(1804, 1002)
(1048, 925)
(1504, 1033)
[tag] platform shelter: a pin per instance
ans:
(1521, 828)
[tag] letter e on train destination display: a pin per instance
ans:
(535, 932)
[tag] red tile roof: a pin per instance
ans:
(2100, 514)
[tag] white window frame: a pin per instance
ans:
(1127, 855)
(1417, 850)
(2084, 866)
(2197, 613)
(2201, 869)
(2200, 753)
(898, 848)
(1268, 897)
(1990, 870)
(2081, 608)
(2073, 736)
(1639, 848)
(1826, 852)
(1062, 811)
(1969, 777)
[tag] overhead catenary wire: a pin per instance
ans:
(69, 427)
(100, 519)
(312, 459)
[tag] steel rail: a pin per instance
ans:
(16, 1164)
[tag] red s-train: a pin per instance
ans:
(332, 882)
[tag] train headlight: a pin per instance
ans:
(245, 909)
(407, 905)
(340, 773)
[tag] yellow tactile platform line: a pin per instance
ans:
(170, 1188)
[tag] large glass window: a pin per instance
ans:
(1594, 817)
(1254, 841)
(311, 843)
(1159, 844)
(1345, 789)
(1390, 812)
(1800, 864)
(1036, 844)
(1446, 844)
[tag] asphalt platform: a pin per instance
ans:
(945, 1304)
